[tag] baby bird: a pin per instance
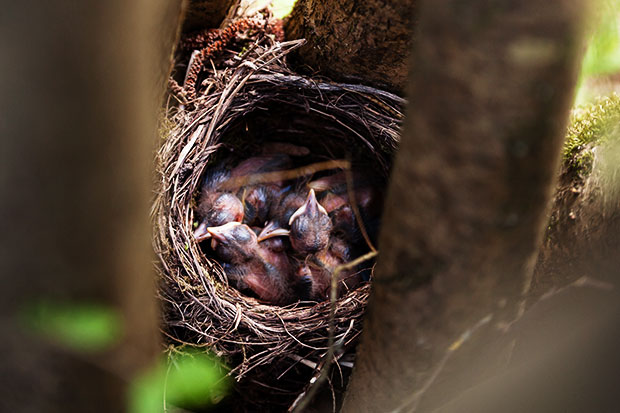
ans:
(260, 164)
(257, 199)
(366, 195)
(310, 226)
(309, 223)
(273, 251)
(216, 207)
(218, 204)
(250, 265)
(280, 215)
(318, 269)
(344, 221)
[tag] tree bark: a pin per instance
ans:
(584, 230)
(490, 93)
(355, 41)
(81, 91)
(207, 14)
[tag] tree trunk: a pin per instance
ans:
(207, 14)
(490, 93)
(584, 230)
(81, 90)
(355, 41)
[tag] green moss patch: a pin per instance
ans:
(591, 125)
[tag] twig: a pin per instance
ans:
(360, 223)
(277, 176)
(302, 402)
(411, 403)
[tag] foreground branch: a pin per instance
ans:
(80, 102)
(490, 95)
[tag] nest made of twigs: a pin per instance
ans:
(242, 97)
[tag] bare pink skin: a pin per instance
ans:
(329, 182)
(320, 268)
(331, 201)
(341, 211)
(247, 263)
(334, 193)
(273, 251)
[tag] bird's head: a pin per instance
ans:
(217, 210)
(233, 242)
(310, 226)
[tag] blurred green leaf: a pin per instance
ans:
(87, 327)
(603, 53)
(186, 379)
(282, 8)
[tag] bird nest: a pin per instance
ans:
(239, 95)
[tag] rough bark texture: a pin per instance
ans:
(489, 98)
(206, 14)
(81, 90)
(583, 237)
(355, 41)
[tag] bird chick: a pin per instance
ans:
(251, 265)
(309, 223)
(281, 213)
(335, 182)
(273, 250)
(310, 226)
(258, 199)
(335, 194)
(335, 197)
(218, 204)
(341, 212)
(319, 269)
(216, 209)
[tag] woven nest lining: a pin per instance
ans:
(251, 99)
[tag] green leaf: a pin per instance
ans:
(602, 57)
(186, 380)
(282, 8)
(83, 326)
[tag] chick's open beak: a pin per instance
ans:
(201, 233)
(310, 207)
(272, 230)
